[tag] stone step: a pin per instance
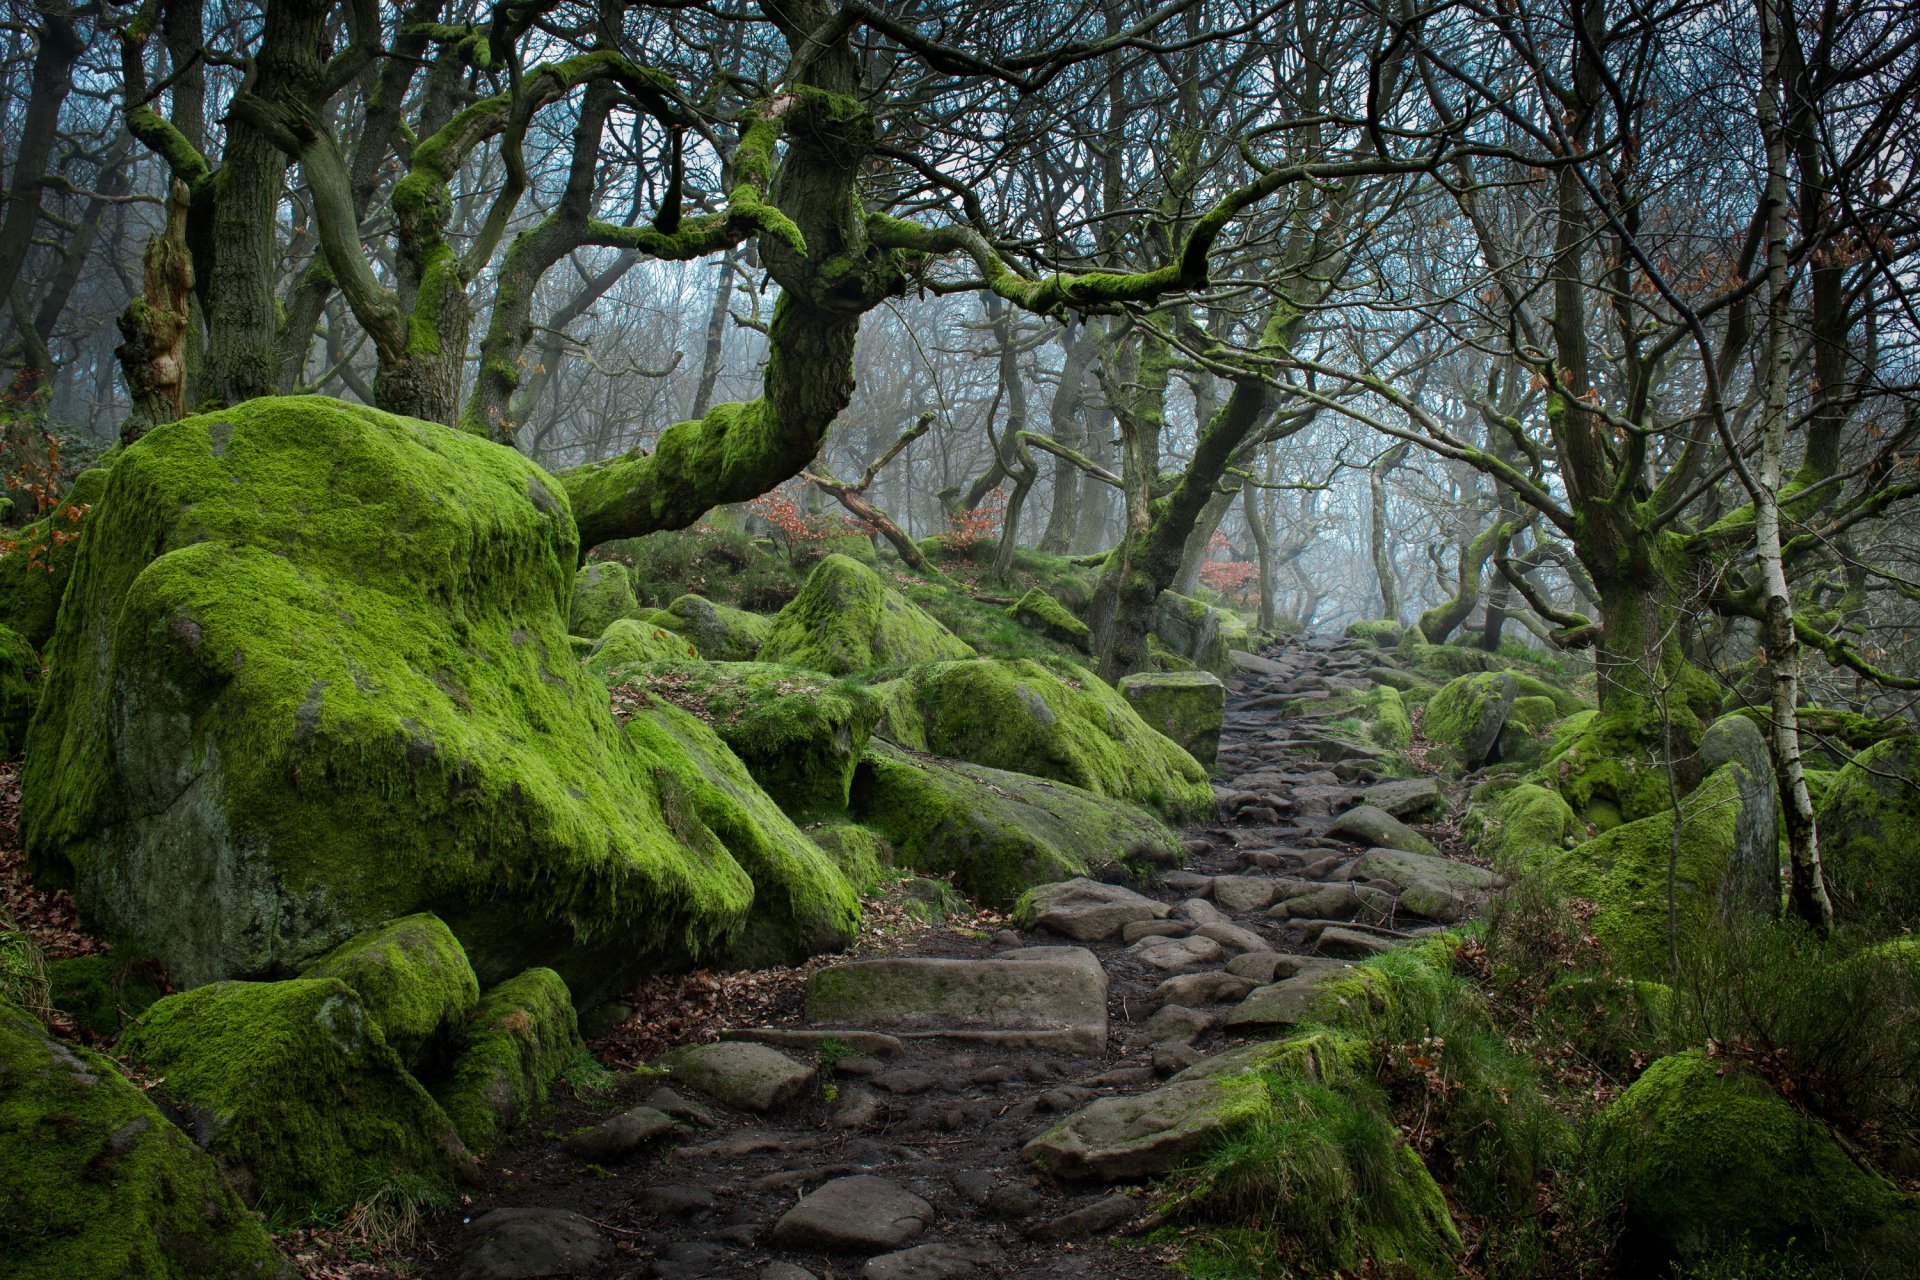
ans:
(1034, 997)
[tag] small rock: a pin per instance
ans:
(1243, 893)
(740, 1074)
(1176, 1024)
(1121, 1078)
(680, 1108)
(857, 1109)
(1260, 967)
(1435, 903)
(932, 1262)
(1370, 826)
(1006, 938)
(785, 1271)
(521, 1244)
(1404, 797)
(1177, 953)
(1139, 929)
(858, 1213)
(1351, 944)
(1205, 988)
(1185, 882)
(676, 1200)
(619, 1135)
(1336, 902)
(1232, 936)
(904, 1080)
(1397, 864)
(1172, 1059)
(1011, 1201)
(1086, 910)
(859, 1065)
(1097, 1218)
(1199, 911)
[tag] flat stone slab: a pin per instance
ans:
(1404, 796)
(1243, 893)
(1406, 868)
(871, 1043)
(1085, 910)
(933, 1262)
(1039, 997)
(860, 1214)
(1286, 1003)
(518, 1244)
(1177, 953)
(1366, 824)
(1351, 943)
(1141, 1135)
(620, 1135)
(749, 1076)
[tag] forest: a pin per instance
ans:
(792, 639)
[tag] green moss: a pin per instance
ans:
(1523, 737)
(846, 619)
(412, 978)
(1466, 715)
(601, 596)
(718, 633)
(798, 732)
(1445, 661)
(862, 854)
(101, 992)
(1047, 719)
(294, 1088)
(1602, 766)
(1706, 1157)
(37, 559)
(997, 834)
(635, 640)
(99, 1184)
(1187, 706)
(1521, 827)
(519, 1040)
(1869, 823)
(1611, 1021)
(1199, 632)
(712, 558)
(19, 690)
(1382, 633)
(23, 970)
(802, 903)
(1565, 701)
(1040, 612)
(316, 659)
(1389, 724)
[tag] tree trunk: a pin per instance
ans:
(153, 358)
(1377, 542)
(1064, 423)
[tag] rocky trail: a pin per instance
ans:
(977, 1106)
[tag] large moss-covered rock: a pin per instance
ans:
(19, 690)
(314, 675)
(1601, 767)
(997, 833)
(1198, 632)
(518, 1041)
(1869, 823)
(1708, 1159)
(1522, 826)
(803, 904)
(101, 992)
(1382, 633)
(718, 632)
(848, 619)
(1523, 736)
(602, 594)
(1038, 611)
(1186, 706)
(1465, 717)
(1048, 719)
(37, 559)
(412, 977)
(798, 732)
(96, 1183)
(1388, 722)
(292, 1085)
(630, 641)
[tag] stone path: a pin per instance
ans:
(992, 1107)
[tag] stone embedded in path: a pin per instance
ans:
(1259, 967)
(1096, 1218)
(749, 1076)
(1404, 796)
(619, 1135)
(1351, 944)
(521, 1244)
(862, 1213)
(1037, 997)
(933, 1262)
(1204, 988)
(1335, 902)
(1288, 1002)
(1368, 825)
(1406, 868)
(1174, 1024)
(1139, 929)
(1232, 936)
(870, 1043)
(1085, 910)
(1435, 902)
(1176, 953)
(1143, 1134)
(1243, 893)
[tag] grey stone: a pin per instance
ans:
(1351, 944)
(619, 1135)
(522, 1244)
(1404, 797)
(805, 1040)
(933, 1262)
(1232, 936)
(1258, 967)
(1187, 706)
(1404, 868)
(680, 1108)
(1177, 953)
(858, 1109)
(1204, 988)
(1039, 997)
(1171, 1059)
(1136, 1136)
(676, 1200)
(1285, 1003)
(1199, 911)
(1752, 884)
(1365, 824)
(1435, 902)
(785, 1271)
(862, 1213)
(1086, 910)
(905, 1080)
(1336, 902)
(1098, 1218)
(1243, 893)
(739, 1074)
(1176, 1024)
(1155, 929)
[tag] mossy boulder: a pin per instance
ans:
(1465, 717)
(1381, 633)
(718, 632)
(1199, 632)
(294, 1088)
(1708, 1159)
(847, 619)
(412, 977)
(37, 559)
(19, 690)
(1388, 722)
(1602, 767)
(1565, 701)
(1446, 661)
(798, 732)
(1186, 706)
(863, 855)
(1523, 737)
(997, 834)
(1521, 827)
(802, 903)
(634, 640)
(102, 992)
(314, 675)
(1869, 821)
(1038, 611)
(98, 1184)
(518, 1041)
(1048, 719)
(602, 594)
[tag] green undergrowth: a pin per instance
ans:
(711, 559)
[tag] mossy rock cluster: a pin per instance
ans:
(718, 632)
(1869, 822)
(1038, 611)
(1521, 826)
(1187, 706)
(1384, 709)
(1603, 767)
(98, 1183)
(995, 833)
(519, 1039)
(314, 674)
(602, 595)
(412, 977)
(1467, 714)
(1199, 632)
(1048, 720)
(1381, 633)
(847, 619)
